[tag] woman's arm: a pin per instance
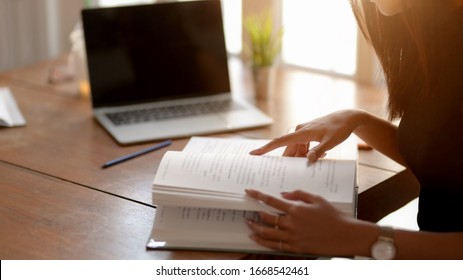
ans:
(428, 245)
(312, 225)
(379, 134)
(332, 130)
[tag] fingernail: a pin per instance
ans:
(312, 156)
(249, 222)
(249, 192)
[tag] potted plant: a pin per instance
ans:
(263, 45)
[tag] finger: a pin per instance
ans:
(276, 221)
(269, 200)
(314, 155)
(290, 151)
(285, 140)
(272, 244)
(296, 150)
(300, 195)
(319, 151)
(301, 150)
(265, 232)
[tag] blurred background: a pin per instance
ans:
(319, 36)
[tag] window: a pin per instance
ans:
(321, 35)
(232, 15)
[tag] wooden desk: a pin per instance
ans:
(43, 217)
(57, 202)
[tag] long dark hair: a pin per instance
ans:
(405, 47)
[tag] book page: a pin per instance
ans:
(227, 145)
(346, 150)
(203, 228)
(5, 119)
(218, 223)
(233, 173)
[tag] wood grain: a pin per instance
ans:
(47, 218)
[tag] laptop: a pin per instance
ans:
(159, 71)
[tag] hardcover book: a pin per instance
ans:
(200, 199)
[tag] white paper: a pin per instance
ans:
(9, 112)
(346, 150)
(218, 223)
(202, 228)
(234, 173)
(227, 146)
(5, 119)
(230, 174)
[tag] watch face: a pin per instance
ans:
(383, 250)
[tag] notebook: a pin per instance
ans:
(160, 71)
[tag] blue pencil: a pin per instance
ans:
(136, 154)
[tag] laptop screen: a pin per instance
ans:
(155, 52)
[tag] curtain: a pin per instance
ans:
(34, 30)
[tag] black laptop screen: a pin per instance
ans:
(155, 52)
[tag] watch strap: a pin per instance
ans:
(386, 234)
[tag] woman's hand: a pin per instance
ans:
(329, 131)
(310, 225)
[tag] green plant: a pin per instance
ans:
(263, 42)
(88, 3)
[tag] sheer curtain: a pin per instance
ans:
(22, 32)
(33, 30)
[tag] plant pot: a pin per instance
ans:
(263, 78)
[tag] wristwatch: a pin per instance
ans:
(384, 248)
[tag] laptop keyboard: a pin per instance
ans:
(170, 112)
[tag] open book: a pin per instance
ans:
(199, 192)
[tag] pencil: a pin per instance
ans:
(136, 154)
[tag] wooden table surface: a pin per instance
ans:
(57, 203)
